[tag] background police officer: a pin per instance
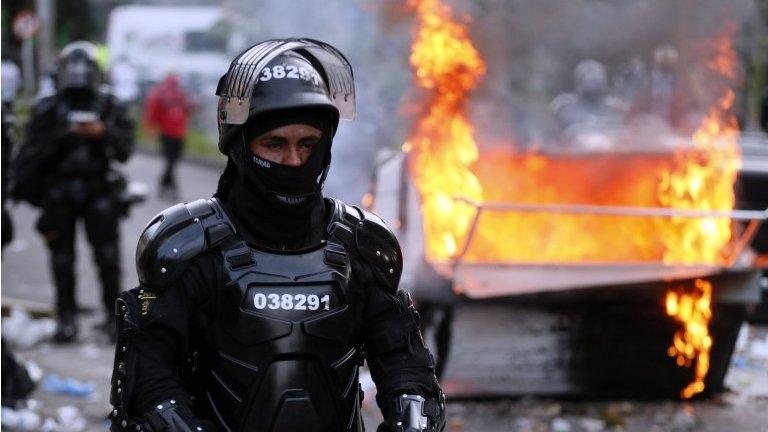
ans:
(64, 167)
(257, 307)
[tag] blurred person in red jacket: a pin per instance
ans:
(167, 112)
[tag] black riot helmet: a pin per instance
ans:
(77, 68)
(280, 82)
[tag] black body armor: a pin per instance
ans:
(288, 359)
(282, 345)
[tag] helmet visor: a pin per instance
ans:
(236, 87)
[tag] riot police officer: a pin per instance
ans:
(256, 307)
(64, 167)
(590, 107)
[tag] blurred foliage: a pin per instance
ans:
(202, 145)
(74, 19)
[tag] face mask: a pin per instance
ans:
(285, 185)
(288, 184)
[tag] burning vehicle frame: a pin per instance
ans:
(455, 295)
(525, 297)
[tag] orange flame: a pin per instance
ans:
(692, 185)
(448, 67)
(704, 178)
(445, 164)
(693, 342)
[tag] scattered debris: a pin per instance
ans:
(24, 419)
(560, 425)
(24, 332)
(68, 419)
(52, 383)
(591, 424)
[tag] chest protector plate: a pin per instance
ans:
(286, 341)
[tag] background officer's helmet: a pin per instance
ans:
(77, 68)
(590, 79)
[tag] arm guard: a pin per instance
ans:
(394, 319)
(175, 236)
(396, 353)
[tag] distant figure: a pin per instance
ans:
(590, 107)
(167, 112)
(65, 167)
(11, 83)
(629, 80)
(662, 95)
(6, 146)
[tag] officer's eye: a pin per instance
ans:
(272, 144)
(309, 143)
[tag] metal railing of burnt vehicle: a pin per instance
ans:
(753, 219)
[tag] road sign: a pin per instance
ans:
(25, 25)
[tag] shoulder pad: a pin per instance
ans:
(373, 239)
(175, 236)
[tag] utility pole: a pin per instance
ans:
(46, 11)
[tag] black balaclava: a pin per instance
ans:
(276, 205)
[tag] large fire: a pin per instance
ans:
(449, 67)
(697, 174)
(453, 176)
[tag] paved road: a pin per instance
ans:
(26, 274)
